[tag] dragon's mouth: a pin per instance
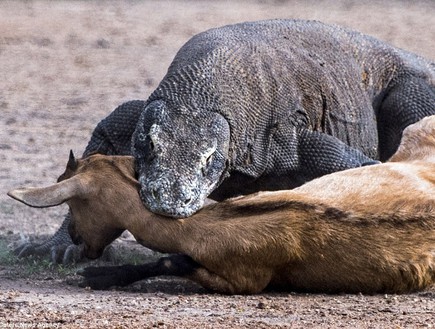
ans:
(171, 209)
(165, 198)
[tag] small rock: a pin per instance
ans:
(103, 44)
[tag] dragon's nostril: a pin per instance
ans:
(155, 194)
(187, 201)
(186, 195)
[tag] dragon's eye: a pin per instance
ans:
(205, 168)
(209, 160)
(151, 151)
(151, 145)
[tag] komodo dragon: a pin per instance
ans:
(263, 106)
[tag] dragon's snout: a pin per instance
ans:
(160, 194)
(170, 197)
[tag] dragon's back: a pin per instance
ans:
(300, 73)
(307, 73)
(329, 41)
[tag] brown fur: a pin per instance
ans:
(370, 229)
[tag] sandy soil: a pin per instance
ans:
(64, 66)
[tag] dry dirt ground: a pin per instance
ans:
(64, 66)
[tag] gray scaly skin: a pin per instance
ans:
(270, 105)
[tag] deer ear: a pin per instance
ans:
(71, 168)
(72, 162)
(49, 196)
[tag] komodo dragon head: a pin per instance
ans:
(181, 157)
